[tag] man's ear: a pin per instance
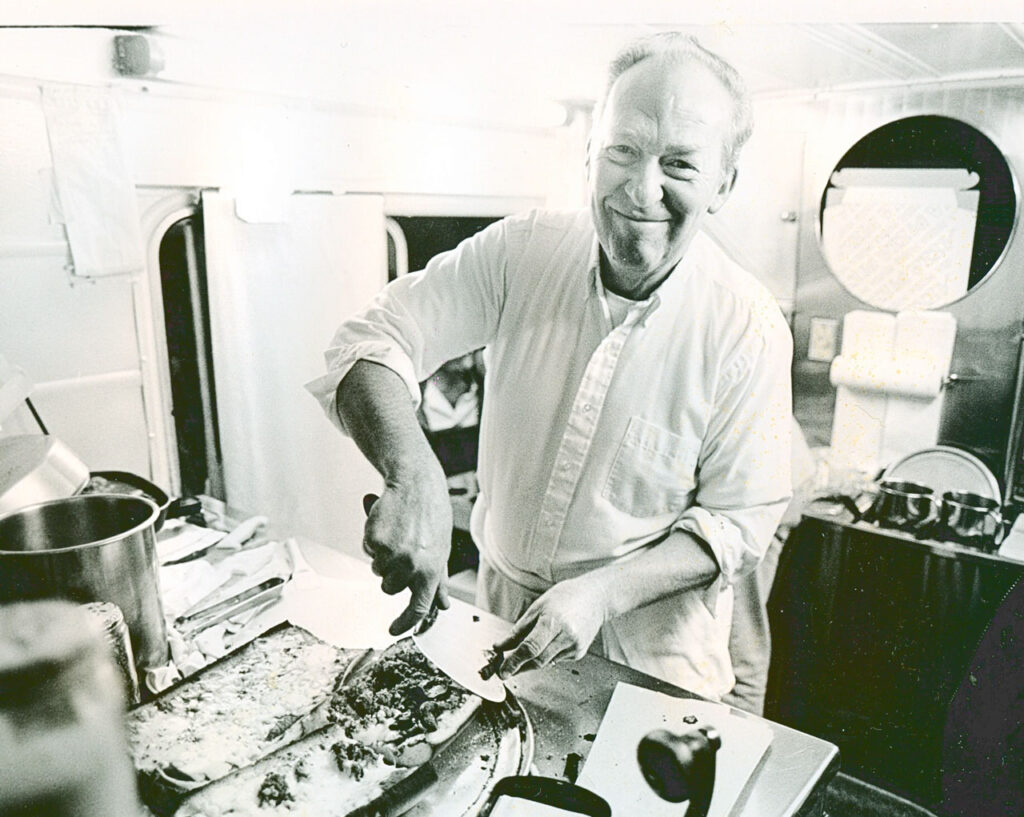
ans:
(728, 183)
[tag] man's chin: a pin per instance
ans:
(635, 259)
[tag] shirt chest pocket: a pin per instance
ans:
(653, 470)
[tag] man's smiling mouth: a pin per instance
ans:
(638, 218)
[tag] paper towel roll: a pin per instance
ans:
(898, 377)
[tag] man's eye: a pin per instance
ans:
(621, 153)
(679, 168)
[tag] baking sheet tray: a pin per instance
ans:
(496, 743)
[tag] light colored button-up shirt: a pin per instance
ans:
(598, 439)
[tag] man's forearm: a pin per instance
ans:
(408, 531)
(563, 622)
(373, 404)
(679, 562)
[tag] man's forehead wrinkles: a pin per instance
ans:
(677, 135)
(638, 128)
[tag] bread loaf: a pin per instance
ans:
(213, 745)
(326, 774)
(230, 714)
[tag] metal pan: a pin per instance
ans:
(37, 468)
(125, 482)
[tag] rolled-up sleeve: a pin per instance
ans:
(744, 482)
(423, 319)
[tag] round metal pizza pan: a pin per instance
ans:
(497, 744)
(946, 468)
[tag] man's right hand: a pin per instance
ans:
(409, 529)
(408, 534)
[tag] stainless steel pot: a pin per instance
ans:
(95, 547)
(970, 518)
(903, 505)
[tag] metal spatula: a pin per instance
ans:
(459, 642)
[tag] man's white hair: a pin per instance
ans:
(676, 47)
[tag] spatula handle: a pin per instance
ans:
(400, 797)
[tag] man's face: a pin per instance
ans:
(656, 165)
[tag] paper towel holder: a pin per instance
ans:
(962, 377)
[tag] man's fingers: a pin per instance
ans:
(509, 641)
(381, 564)
(395, 582)
(419, 606)
(518, 632)
(529, 649)
(514, 637)
(441, 597)
(514, 661)
(558, 650)
(370, 548)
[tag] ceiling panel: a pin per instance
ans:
(960, 49)
(427, 63)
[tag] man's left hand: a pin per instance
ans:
(559, 626)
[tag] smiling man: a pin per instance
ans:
(658, 162)
(634, 448)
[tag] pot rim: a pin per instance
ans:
(975, 502)
(903, 487)
(148, 522)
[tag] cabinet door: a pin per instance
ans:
(871, 636)
(277, 292)
(758, 225)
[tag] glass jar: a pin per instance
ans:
(62, 739)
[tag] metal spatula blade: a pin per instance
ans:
(460, 642)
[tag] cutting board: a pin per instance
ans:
(612, 770)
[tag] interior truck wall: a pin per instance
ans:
(758, 225)
(976, 412)
(87, 344)
(74, 337)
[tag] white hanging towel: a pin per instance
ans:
(95, 191)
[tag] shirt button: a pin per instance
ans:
(587, 407)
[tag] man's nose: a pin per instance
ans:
(644, 186)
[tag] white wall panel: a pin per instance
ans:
(58, 327)
(100, 418)
(190, 139)
(758, 224)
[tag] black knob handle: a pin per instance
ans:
(681, 767)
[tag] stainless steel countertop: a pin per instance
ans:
(566, 703)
